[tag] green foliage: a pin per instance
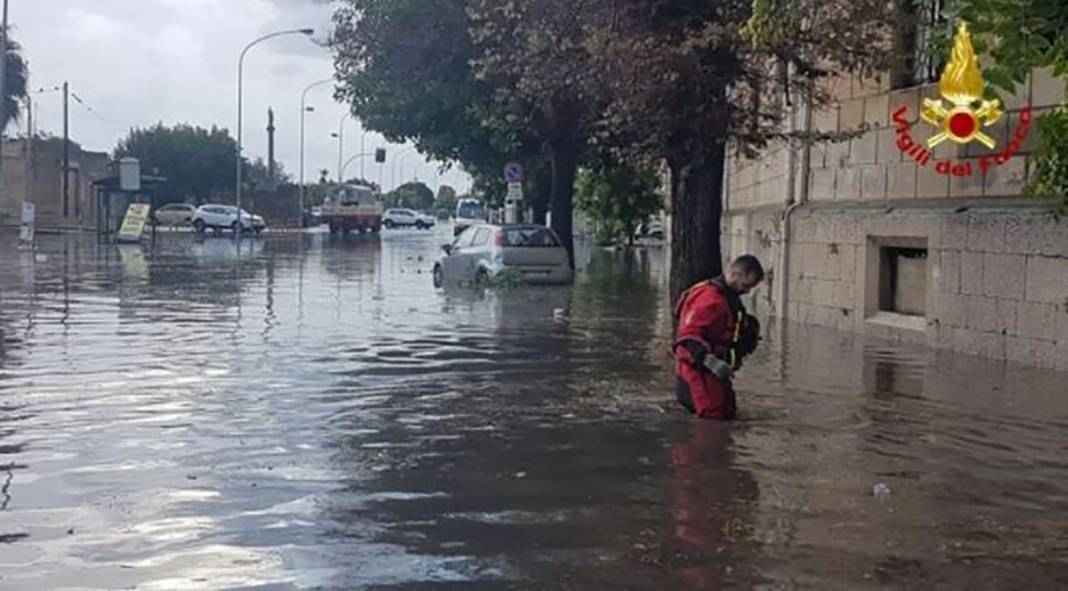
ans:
(196, 161)
(416, 196)
(256, 175)
(16, 79)
(445, 202)
(1049, 173)
(404, 66)
(1020, 36)
(618, 198)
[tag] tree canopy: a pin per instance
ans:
(645, 81)
(415, 195)
(16, 76)
(196, 161)
(619, 197)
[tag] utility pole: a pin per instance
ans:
(66, 149)
(29, 169)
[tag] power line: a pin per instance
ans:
(90, 109)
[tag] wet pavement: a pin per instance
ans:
(312, 414)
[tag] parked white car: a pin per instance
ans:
(650, 228)
(174, 214)
(224, 217)
(406, 218)
(484, 251)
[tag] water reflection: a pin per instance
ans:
(312, 413)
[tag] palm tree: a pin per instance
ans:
(16, 76)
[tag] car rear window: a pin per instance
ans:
(481, 238)
(529, 238)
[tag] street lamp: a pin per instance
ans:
(396, 161)
(340, 135)
(400, 160)
(303, 111)
(353, 159)
(240, 104)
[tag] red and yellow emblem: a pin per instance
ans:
(962, 87)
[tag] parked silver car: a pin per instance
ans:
(174, 214)
(530, 253)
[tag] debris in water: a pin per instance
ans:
(880, 491)
(520, 474)
(559, 315)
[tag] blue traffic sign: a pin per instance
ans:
(513, 172)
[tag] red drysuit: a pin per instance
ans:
(708, 314)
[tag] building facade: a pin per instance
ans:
(873, 235)
(43, 178)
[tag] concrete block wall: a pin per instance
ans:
(870, 167)
(997, 267)
(759, 233)
(1008, 276)
(997, 279)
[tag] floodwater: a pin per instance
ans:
(312, 414)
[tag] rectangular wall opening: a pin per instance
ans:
(903, 280)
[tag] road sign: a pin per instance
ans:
(513, 172)
(133, 225)
(515, 192)
(29, 212)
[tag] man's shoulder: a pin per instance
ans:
(707, 293)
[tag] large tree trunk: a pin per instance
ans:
(696, 209)
(564, 156)
(541, 182)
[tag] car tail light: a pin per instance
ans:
(500, 238)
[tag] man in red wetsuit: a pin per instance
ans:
(714, 334)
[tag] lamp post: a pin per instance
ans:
(340, 135)
(240, 104)
(353, 159)
(396, 161)
(401, 180)
(304, 110)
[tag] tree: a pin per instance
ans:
(535, 55)
(446, 201)
(257, 175)
(16, 77)
(404, 67)
(196, 161)
(411, 196)
(445, 192)
(686, 79)
(1021, 36)
(619, 197)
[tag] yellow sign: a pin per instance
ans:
(133, 225)
(962, 87)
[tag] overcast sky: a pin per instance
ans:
(137, 62)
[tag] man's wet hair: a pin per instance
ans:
(749, 265)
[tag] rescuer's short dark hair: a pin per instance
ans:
(749, 265)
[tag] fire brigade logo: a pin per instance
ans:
(962, 87)
(960, 116)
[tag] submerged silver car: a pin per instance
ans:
(529, 253)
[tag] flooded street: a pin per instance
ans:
(313, 414)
